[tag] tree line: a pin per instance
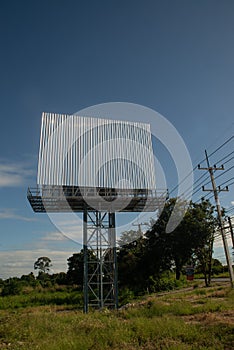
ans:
(143, 262)
(146, 261)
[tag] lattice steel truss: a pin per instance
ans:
(100, 261)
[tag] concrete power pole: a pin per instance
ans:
(222, 230)
(139, 227)
(231, 230)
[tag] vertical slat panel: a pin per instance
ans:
(114, 148)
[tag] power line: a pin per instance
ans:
(226, 234)
(226, 171)
(204, 176)
(182, 180)
(209, 196)
(198, 185)
(228, 160)
(231, 183)
(197, 188)
(223, 133)
(220, 160)
(216, 150)
(232, 178)
(221, 146)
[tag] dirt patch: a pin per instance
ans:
(225, 317)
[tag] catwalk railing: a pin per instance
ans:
(74, 198)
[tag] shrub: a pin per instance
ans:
(11, 286)
(125, 296)
(165, 282)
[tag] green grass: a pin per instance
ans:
(185, 320)
(218, 275)
(36, 298)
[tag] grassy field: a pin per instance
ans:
(202, 318)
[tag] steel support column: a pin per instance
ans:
(100, 260)
(85, 248)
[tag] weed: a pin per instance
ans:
(155, 322)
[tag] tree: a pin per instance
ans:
(60, 278)
(129, 257)
(75, 273)
(29, 279)
(11, 286)
(204, 251)
(171, 248)
(144, 260)
(204, 258)
(43, 264)
(191, 235)
(44, 279)
(217, 267)
(127, 237)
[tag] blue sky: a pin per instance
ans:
(175, 57)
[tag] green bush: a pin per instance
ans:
(165, 282)
(12, 286)
(125, 296)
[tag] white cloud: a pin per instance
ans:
(13, 264)
(14, 174)
(218, 243)
(9, 213)
(232, 203)
(219, 248)
(69, 225)
(20, 262)
(54, 236)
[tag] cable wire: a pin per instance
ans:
(224, 172)
(211, 154)
(221, 146)
(220, 160)
(226, 181)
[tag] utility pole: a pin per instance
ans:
(231, 230)
(139, 227)
(216, 190)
